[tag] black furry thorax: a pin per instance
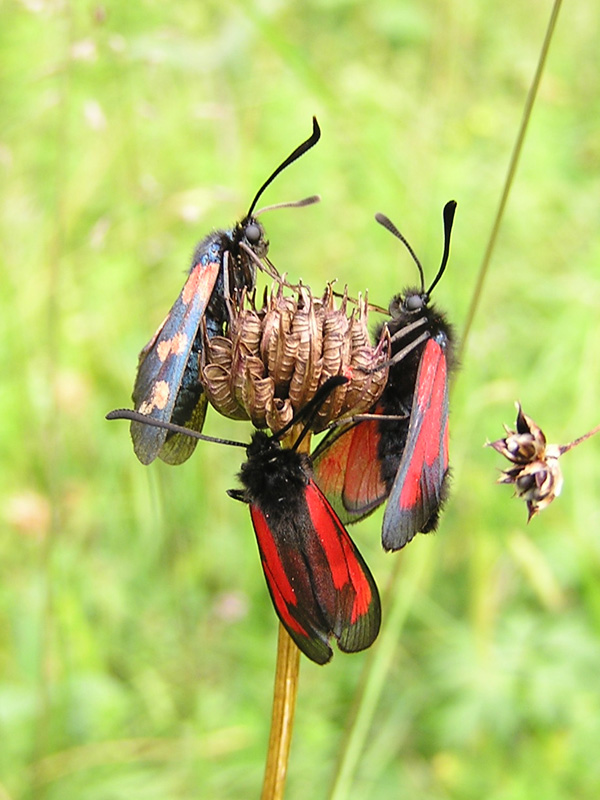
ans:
(274, 477)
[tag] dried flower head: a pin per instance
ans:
(272, 359)
(536, 476)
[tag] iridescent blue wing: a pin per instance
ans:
(170, 361)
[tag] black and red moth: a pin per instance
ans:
(167, 386)
(403, 460)
(318, 581)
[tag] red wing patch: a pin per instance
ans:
(344, 561)
(348, 471)
(418, 488)
(163, 361)
(318, 581)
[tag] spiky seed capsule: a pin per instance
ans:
(272, 360)
(536, 476)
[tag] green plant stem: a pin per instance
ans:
(285, 690)
(378, 666)
(510, 174)
(282, 717)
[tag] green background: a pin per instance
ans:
(137, 640)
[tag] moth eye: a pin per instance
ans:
(414, 302)
(252, 233)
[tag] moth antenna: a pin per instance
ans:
(306, 201)
(448, 214)
(308, 412)
(135, 416)
(389, 225)
(299, 151)
(370, 306)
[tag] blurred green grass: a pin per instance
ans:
(137, 640)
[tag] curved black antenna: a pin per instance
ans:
(389, 225)
(309, 411)
(299, 151)
(135, 416)
(448, 214)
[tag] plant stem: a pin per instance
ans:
(287, 670)
(510, 174)
(282, 717)
(566, 447)
(377, 668)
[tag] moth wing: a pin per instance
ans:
(347, 593)
(348, 471)
(318, 581)
(289, 583)
(162, 365)
(419, 486)
(178, 447)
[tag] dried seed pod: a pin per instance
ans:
(216, 382)
(215, 368)
(276, 349)
(245, 334)
(272, 361)
(337, 344)
(537, 482)
(257, 393)
(536, 476)
(523, 445)
(369, 382)
(309, 362)
(336, 355)
(279, 414)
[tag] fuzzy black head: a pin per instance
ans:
(252, 234)
(407, 308)
(224, 247)
(415, 301)
(410, 302)
(273, 477)
(412, 315)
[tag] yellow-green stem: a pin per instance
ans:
(282, 717)
(287, 670)
(377, 667)
(508, 181)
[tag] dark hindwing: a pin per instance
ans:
(347, 469)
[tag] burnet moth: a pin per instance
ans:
(403, 459)
(167, 386)
(318, 581)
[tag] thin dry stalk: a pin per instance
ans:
(282, 718)
(285, 690)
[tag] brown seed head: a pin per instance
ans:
(536, 474)
(525, 444)
(272, 360)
